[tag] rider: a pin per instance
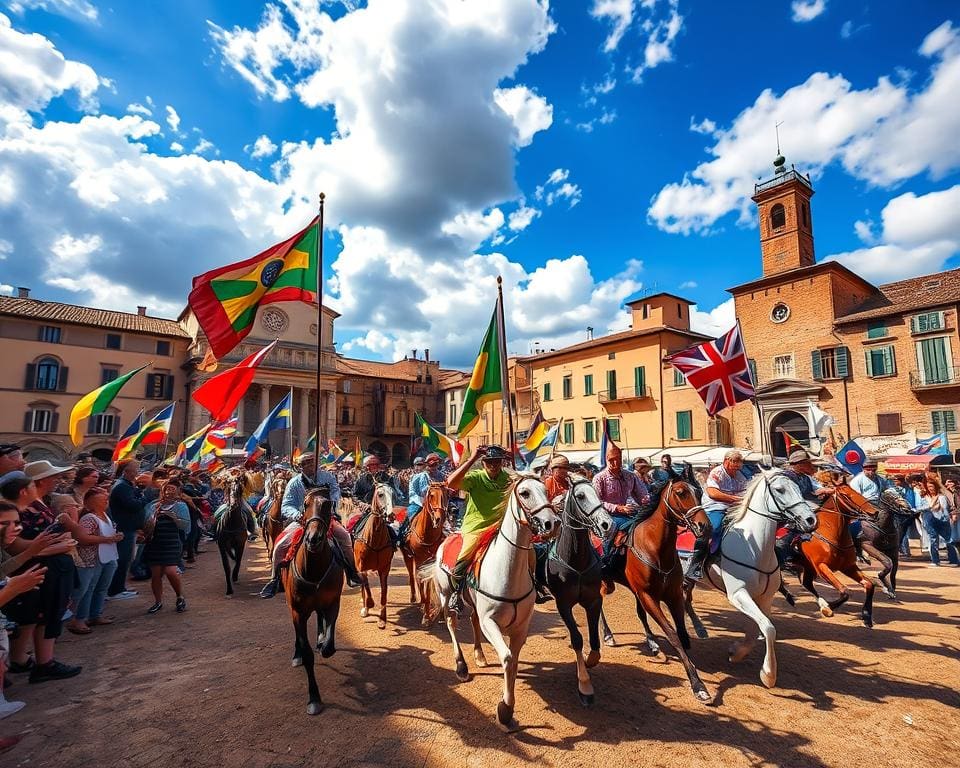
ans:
(487, 491)
(800, 469)
(725, 487)
(430, 472)
(291, 509)
(557, 482)
(622, 493)
(868, 483)
(666, 471)
(374, 474)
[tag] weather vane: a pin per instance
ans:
(776, 128)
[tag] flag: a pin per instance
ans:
(295, 458)
(820, 419)
(937, 444)
(222, 393)
(358, 454)
(218, 434)
(312, 441)
(153, 432)
(333, 455)
(278, 418)
(790, 443)
(718, 370)
(541, 434)
(188, 449)
(209, 363)
(436, 441)
(225, 300)
(851, 456)
(487, 382)
(131, 432)
(605, 442)
(97, 401)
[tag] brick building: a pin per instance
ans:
(882, 360)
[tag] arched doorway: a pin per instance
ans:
(401, 455)
(381, 451)
(792, 423)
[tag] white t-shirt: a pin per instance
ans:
(107, 553)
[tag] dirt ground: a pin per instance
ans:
(214, 687)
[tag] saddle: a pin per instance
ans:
(296, 539)
(686, 541)
(453, 545)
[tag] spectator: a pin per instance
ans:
(935, 514)
(11, 458)
(166, 519)
(97, 555)
(126, 510)
(953, 496)
(905, 522)
(87, 477)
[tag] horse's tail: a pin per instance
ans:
(427, 582)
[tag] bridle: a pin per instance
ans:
(686, 516)
(523, 515)
(783, 511)
(574, 517)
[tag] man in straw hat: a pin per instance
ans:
(800, 469)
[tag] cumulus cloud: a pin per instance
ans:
(657, 22)
(557, 188)
(522, 218)
(529, 111)
(139, 109)
(802, 11)
(6, 290)
(81, 10)
(262, 147)
(713, 322)
(173, 119)
(881, 134)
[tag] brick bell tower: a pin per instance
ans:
(786, 225)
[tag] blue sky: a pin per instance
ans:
(586, 151)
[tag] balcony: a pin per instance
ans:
(921, 381)
(782, 178)
(624, 394)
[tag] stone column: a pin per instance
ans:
(264, 401)
(306, 429)
(241, 407)
(331, 412)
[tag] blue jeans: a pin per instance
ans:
(937, 528)
(125, 557)
(89, 596)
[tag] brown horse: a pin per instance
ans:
(314, 583)
(273, 524)
(831, 548)
(425, 536)
(231, 530)
(654, 572)
(373, 549)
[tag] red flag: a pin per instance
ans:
(221, 393)
(718, 370)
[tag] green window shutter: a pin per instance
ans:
(640, 381)
(842, 357)
(684, 425)
(588, 384)
(612, 384)
(546, 391)
(613, 429)
(889, 363)
(868, 359)
(568, 433)
(588, 431)
(934, 363)
(678, 379)
(876, 329)
(816, 363)
(567, 387)
(753, 370)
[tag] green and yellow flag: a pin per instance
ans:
(487, 382)
(97, 402)
(225, 300)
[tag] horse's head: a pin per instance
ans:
(894, 502)
(584, 508)
(532, 507)
(682, 501)
(278, 483)
(782, 500)
(435, 502)
(318, 511)
(851, 504)
(382, 502)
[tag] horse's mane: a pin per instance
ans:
(656, 493)
(515, 479)
(740, 510)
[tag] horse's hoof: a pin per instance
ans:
(826, 611)
(229, 594)
(701, 632)
(364, 612)
(703, 695)
(768, 679)
(505, 715)
(297, 662)
(381, 623)
(327, 651)
(791, 600)
(480, 659)
(314, 708)
(610, 641)
(463, 674)
(593, 658)
(586, 699)
(867, 621)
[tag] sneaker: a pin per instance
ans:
(18, 669)
(8, 708)
(269, 589)
(155, 608)
(127, 594)
(55, 670)
(181, 604)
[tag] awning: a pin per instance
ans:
(911, 463)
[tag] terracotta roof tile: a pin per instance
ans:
(74, 314)
(404, 370)
(601, 341)
(926, 291)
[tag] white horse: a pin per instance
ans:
(502, 600)
(746, 567)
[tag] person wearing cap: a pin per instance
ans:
(486, 490)
(428, 471)
(557, 481)
(127, 511)
(868, 483)
(374, 473)
(622, 494)
(801, 470)
(666, 471)
(641, 468)
(291, 510)
(11, 458)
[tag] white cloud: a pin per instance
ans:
(6, 290)
(718, 320)
(176, 146)
(688, 284)
(473, 227)
(529, 111)
(173, 119)
(705, 126)
(262, 147)
(558, 175)
(882, 135)
(204, 146)
(557, 188)
(619, 13)
(139, 109)
(73, 9)
(661, 37)
(864, 231)
(803, 11)
(658, 22)
(6, 248)
(521, 218)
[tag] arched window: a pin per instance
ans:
(778, 217)
(48, 374)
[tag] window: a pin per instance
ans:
(107, 375)
(346, 386)
(568, 433)
(612, 385)
(929, 321)
(48, 375)
(778, 217)
(678, 378)
(612, 356)
(453, 413)
(934, 361)
(163, 348)
(888, 424)
(876, 329)
(590, 431)
(113, 341)
(646, 311)
(567, 387)
(40, 420)
(880, 362)
(588, 384)
(944, 421)
(752, 364)
(805, 213)
(684, 425)
(50, 334)
(348, 415)
(400, 417)
(783, 367)
(640, 381)
(546, 392)
(159, 386)
(101, 424)
(613, 429)
(830, 363)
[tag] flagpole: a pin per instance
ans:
(504, 377)
(290, 419)
(319, 332)
(166, 437)
(553, 448)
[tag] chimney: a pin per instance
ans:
(23, 293)
(426, 355)
(142, 311)
(414, 354)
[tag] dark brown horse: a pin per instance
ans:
(314, 583)
(424, 538)
(654, 572)
(231, 530)
(373, 549)
(831, 548)
(273, 524)
(880, 537)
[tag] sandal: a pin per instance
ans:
(79, 629)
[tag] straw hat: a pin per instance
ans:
(38, 470)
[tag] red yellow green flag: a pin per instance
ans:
(97, 401)
(225, 300)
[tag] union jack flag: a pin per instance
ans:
(718, 370)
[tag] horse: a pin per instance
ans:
(424, 538)
(880, 537)
(313, 584)
(831, 548)
(231, 531)
(373, 549)
(573, 573)
(272, 525)
(746, 568)
(502, 597)
(653, 570)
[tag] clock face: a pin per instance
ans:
(780, 312)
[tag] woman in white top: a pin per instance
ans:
(97, 539)
(935, 514)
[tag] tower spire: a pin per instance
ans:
(779, 162)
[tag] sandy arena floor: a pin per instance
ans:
(214, 687)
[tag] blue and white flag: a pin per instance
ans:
(936, 445)
(279, 418)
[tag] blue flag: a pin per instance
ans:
(937, 445)
(851, 457)
(279, 418)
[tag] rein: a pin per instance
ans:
(572, 513)
(295, 571)
(523, 518)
